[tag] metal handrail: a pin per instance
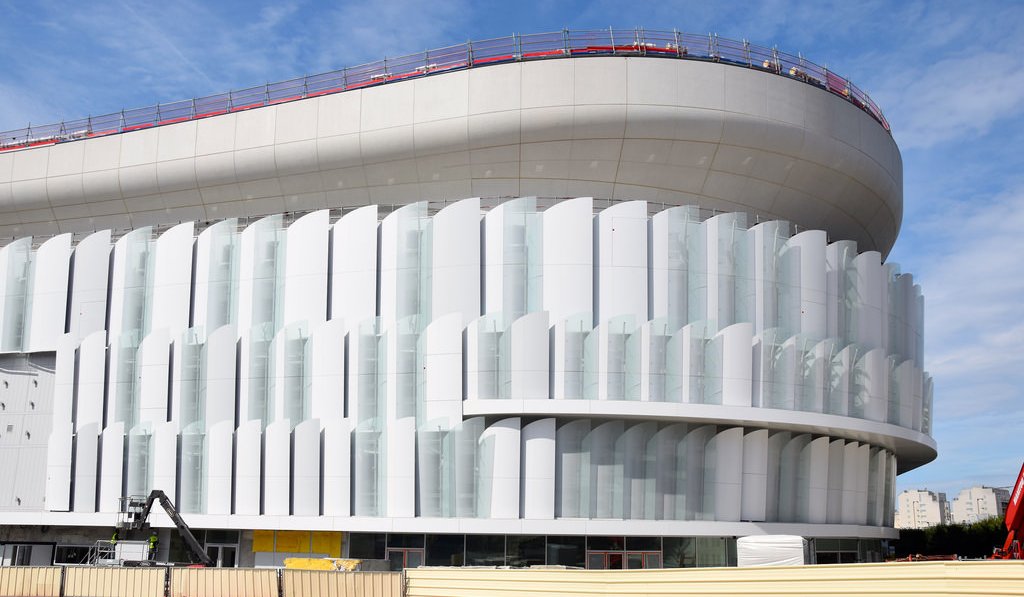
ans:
(472, 54)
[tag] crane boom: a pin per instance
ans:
(140, 518)
(1011, 549)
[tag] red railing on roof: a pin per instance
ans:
(536, 46)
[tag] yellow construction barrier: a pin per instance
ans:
(80, 581)
(314, 583)
(841, 580)
(223, 582)
(34, 581)
(344, 564)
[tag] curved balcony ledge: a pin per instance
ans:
(912, 448)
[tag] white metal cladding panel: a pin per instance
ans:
(92, 354)
(304, 277)
(112, 456)
(219, 446)
(321, 583)
(219, 372)
(455, 260)
(127, 306)
(440, 375)
(306, 469)
(537, 470)
(326, 356)
(337, 472)
(621, 262)
(47, 306)
(58, 467)
(152, 377)
(754, 483)
(568, 259)
(164, 448)
(88, 308)
(215, 294)
(528, 361)
(14, 270)
(17, 581)
(172, 279)
(354, 266)
(248, 463)
(82, 581)
(87, 443)
(277, 468)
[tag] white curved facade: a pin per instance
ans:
(668, 360)
(670, 131)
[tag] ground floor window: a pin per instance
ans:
(408, 550)
(71, 554)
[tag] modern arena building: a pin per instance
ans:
(602, 299)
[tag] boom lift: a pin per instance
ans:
(1012, 550)
(135, 511)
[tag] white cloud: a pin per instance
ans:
(954, 98)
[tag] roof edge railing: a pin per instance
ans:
(471, 54)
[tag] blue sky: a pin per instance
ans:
(949, 76)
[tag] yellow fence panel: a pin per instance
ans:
(114, 582)
(316, 583)
(34, 581)
(846, 580)
(223, 582)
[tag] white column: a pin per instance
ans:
(537, 470)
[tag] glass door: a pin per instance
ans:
(404, 557)
(223, 556)
(605, 560)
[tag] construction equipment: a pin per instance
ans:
(1011, 549)
(135, 511)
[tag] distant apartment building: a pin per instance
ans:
(920, 508)
(978, 503)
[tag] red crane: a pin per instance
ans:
(1011, 550)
